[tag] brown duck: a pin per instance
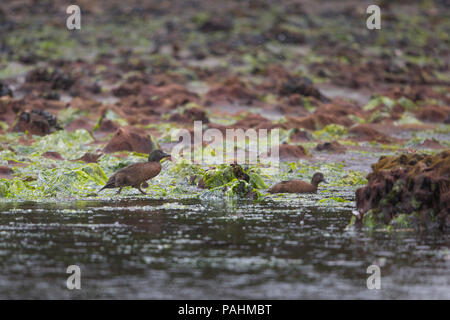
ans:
(298, 186)
(134, 175)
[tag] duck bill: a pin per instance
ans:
(325, 181)
(167, 157)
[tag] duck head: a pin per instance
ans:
(318, 178)
(157, 156)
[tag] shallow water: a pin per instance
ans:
(187, 249)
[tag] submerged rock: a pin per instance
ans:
(411, 189)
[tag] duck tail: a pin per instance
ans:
(109, 185)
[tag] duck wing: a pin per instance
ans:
(290, 186)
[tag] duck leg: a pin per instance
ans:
(139, 188)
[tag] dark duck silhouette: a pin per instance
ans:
(134, 175)
(298, 186)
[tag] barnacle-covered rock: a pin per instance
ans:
(36, 122)
(411, 187)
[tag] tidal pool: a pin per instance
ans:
(200, 249)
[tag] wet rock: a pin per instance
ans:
(288, 152)
(225, 176)
(286, 34)
(302, 86)
(239, 172)
(50, 95)
(216, 23)
(243, 190)
(201, 183)
(414, 186)
(89, 157)
(85, 104)
(295, 100)
(447, 120)
(56, 78)
(367, 133)
(341, 109)
(254, 121)
(94, 88)
(231, 90)
(433, 114)
(431, 144)
(127, 139)
(52, 155)
(107, 125)
(251, 121)
(300, 135)
(6, 172)
(414, 93)
(80, 123)
(16, 163)
(190, 115)
(5, 90)
(126, 90)
(9, 108)
(165, 97)
(316, 121)
(36, 122)
(332, 146)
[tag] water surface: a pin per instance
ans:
(201, 249)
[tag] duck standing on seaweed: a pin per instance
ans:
(134, 175)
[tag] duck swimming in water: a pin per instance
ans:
(298, 186)
(134, 175)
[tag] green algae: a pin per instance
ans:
(223, 174)
(330, 132)
(63, 142)
(333, 199)
(386, 102)
(65, 181)
(110, 115)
